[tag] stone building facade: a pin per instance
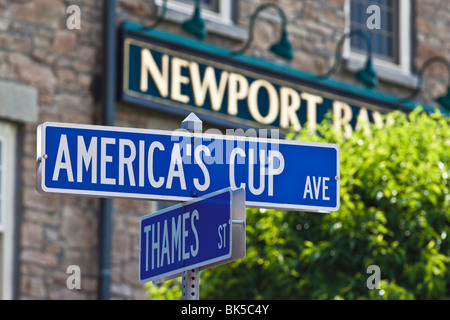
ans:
(47, 72)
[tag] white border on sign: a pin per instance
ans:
(40, 174)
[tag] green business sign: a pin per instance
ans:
(177, 75)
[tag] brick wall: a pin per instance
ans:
(432, 39)
(37, 49)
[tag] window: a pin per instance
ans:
(385, 39)
(391, 43)
(7, 156)
(220, 11)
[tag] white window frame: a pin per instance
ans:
(8, 140)
(224, 16)
(404, 46)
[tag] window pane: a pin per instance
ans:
(357, 12)
(387, 19)
(379, 44)
(212, 5)
(389, 47)
(383, 39)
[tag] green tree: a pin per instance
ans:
(394, 213)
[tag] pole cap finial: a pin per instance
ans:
(192, 123)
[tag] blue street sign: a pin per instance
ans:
(179, 165)
(186, 236)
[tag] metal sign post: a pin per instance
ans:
(190, 284)
(191, 278)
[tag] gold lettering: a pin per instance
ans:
(209, 84)
(362, 121)
(160, 77)
(253, 101)
(178, 79)
(377, 119)
(343, 114)
(311, 110)
(237, 90)
(289, 104)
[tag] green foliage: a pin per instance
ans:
(394, 213)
